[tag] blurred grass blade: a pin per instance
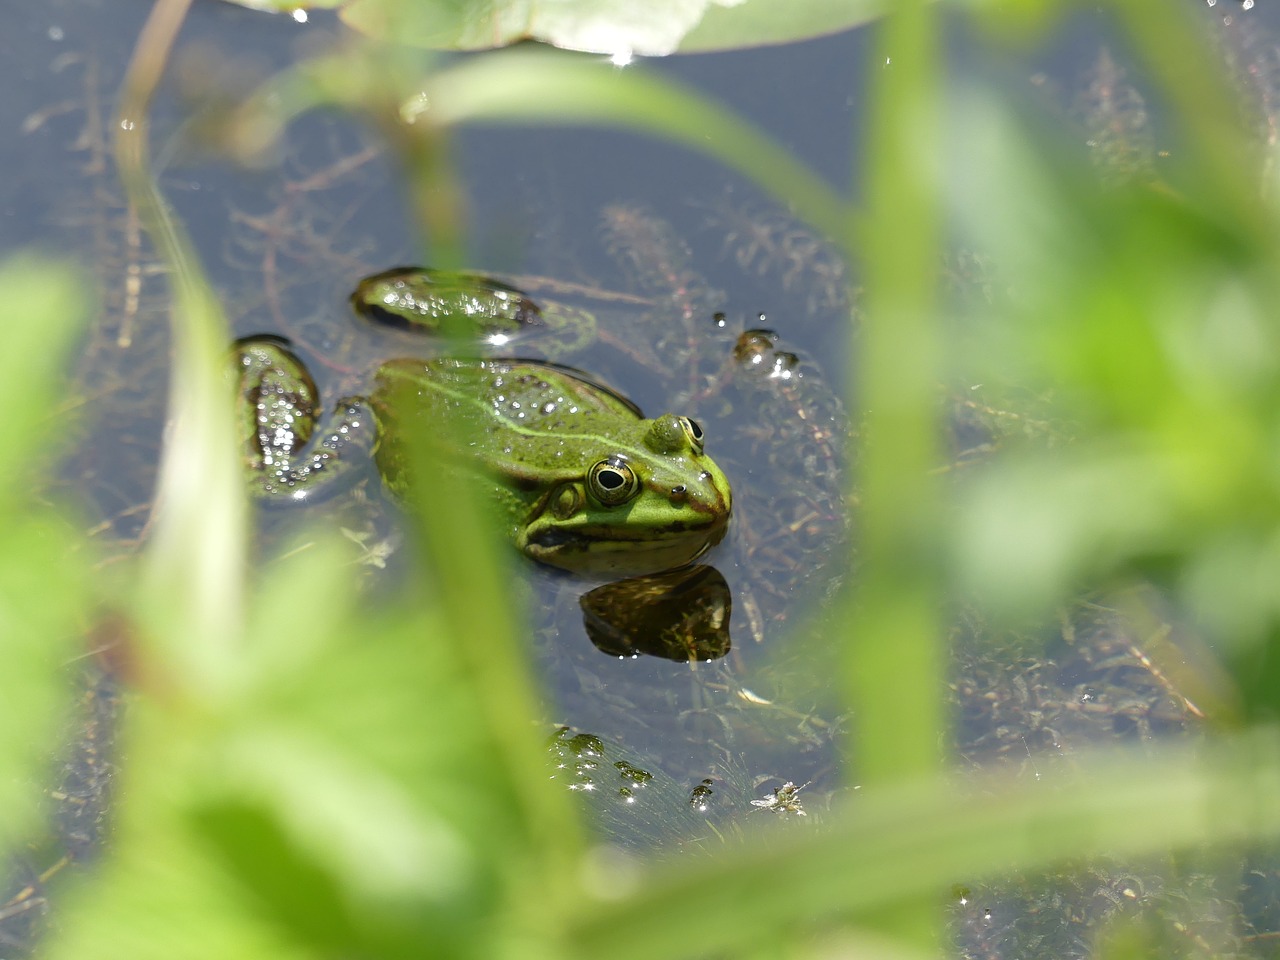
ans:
(196, 552)
(894, 656)
(540, 86)
(894, 646)
(490, 648)
(912, 840)
(1215, 149)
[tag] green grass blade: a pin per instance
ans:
(540, 86)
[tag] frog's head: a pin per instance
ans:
(651, 505)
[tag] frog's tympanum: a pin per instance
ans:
(584, 481)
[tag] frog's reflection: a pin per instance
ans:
(680, 615)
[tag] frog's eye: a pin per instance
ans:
(674, 435)
(612, 481)
(693, 430)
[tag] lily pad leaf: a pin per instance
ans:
(286, 6)
(618, 28)
(757, 23)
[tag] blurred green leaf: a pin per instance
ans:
(43, 577)
(286, 887)
(1143, 313)
(160, 894)
(349, 789)
(44, 307)
(43, 617)
(614, 27)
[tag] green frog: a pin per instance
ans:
(773, 424)
(583, 480)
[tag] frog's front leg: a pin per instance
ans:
(286, 457)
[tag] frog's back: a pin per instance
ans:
(529, 419)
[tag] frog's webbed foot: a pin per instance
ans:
(328, 463)
(286, 458)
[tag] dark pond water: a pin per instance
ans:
(285, 244)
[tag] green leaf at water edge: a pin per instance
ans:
(614, 27)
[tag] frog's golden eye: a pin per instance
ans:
(612, 481)
(693, 430)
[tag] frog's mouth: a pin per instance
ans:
(618, 550)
